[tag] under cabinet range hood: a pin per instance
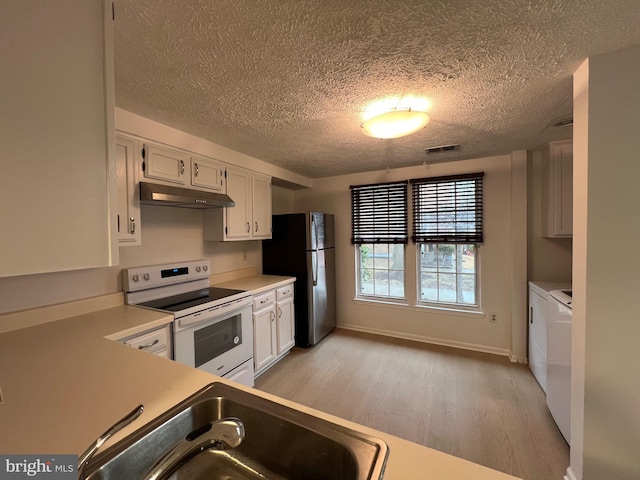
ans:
(169, 196)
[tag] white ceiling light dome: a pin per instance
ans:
(395, 123)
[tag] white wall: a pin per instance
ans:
(549, 259)
(282, 200)
(332, 195)
(168, 235)
(607, 264)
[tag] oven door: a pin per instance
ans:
(218, 342)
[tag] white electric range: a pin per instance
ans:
(212, 327)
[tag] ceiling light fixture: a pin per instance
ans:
(395, 123)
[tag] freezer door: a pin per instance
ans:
(320, 230)
(321, 294)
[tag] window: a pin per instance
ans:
(381, 272)
(379, 230)
(448, 226)
(448, 273)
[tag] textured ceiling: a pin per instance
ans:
(287, 81)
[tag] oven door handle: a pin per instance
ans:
(214, 314)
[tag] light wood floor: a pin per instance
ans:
(476, 406)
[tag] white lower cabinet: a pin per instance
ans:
(273, 327)
(284, 324)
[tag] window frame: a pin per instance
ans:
(374, 296)
(380, 216)
(475, 307)
(429, 228)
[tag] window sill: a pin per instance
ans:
(421, 308)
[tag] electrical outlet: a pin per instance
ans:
(493, 318)
(244, 255)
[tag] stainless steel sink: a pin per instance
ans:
(279, 443)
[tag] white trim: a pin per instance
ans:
(430, 340)
(570, 475)
(517, 358)
(420, 308)
(518, 254)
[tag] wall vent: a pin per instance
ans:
(442, 149)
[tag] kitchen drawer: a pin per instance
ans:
(264, 300)
(284, 292)
(150, 342)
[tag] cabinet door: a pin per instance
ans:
(563, 186)
(263, 347)
(57, 140)
(165, 164)
(207, 173)
(558, 191)
(128, 191)
(261, 189)
(238, 218)
(285, 326)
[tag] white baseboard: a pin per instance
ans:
(570, 475)
(431, 340)
(518, 359)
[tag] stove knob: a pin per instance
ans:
(146, 276)
(136, 278)
(198, 268)
(205, 268)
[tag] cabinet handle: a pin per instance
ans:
(181, 167)
(272, 315)
(132, 225)
(196, 167)
(531, 315)
(248, 227)
(149, 345)
(256, 227)
(264, 301)
(279, 312)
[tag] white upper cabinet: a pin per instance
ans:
(238, 217)
(177, 167)
(558, 191)
(250, 218)
(261, 205)
(57, 139)
(207, 173)
(128, 191)
(161, 163)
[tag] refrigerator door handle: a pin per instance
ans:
(314, 262)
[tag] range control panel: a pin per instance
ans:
(143, 278)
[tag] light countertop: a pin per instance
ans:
(256, 283)
(63, 384)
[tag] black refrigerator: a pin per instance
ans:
(302, 246)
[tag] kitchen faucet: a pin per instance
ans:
(95, 446)
(222, 434)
